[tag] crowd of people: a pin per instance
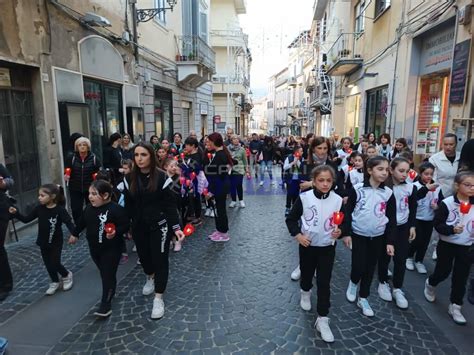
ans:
(371, 195)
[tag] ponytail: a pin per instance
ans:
(57, 191)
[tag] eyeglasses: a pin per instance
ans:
(467, 185)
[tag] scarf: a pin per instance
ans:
(319, 161)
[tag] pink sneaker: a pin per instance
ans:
(177, 246)
(213, 235)
(221, 237)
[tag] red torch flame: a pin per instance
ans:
(188, 229)
(297, 155)
(209, 156)
(464, 207)
(109, 228)
(205, 191)
(94, 176)
(349, 151)
(337, 218)
(182, 180)
(192, 175)
(188, 182)
(412, 174)
(182, 155)
(67, 171)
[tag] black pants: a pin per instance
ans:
(236, 188)
(153, 245)
(78, 199)
(107, 261)
(6, 279)
(365, 254)
(418, 247)
(401, 253)
(222, 223)
(321, 260)
(292, 192)
(455, 258)
(195, 205)
(51, 255)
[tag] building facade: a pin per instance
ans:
(231, 82)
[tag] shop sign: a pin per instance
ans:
(436, 52)
(459, 73)
(5, 77)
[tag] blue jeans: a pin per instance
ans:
(266, 165)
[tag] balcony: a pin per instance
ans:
(344, 57)
(292, 81)
(224, 85)
(196, 61)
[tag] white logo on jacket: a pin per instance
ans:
(52, 228)
(102, 220)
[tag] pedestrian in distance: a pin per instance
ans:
(398, 244)
(266, 156)
(341, 156)
(239, 171)
(454, 220)
(370, 215)
(51, 215)
(6, 278)
(293, 176)
(429, 197)
(106, 223)
(311, 223)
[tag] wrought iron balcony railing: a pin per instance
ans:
(195, 49)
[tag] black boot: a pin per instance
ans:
(104, 310)
(470, 294)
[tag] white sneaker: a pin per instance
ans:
(158, 308)
(409, 264)
(149, 286)
(351, 293)
(305, 300)
(389, 273)
(53, 287)
(177, 246)
(434, 256)
(134, 249)
(261, 183)
(384, 292)
(208, 212)
(212, 214)
(363, 304)
(242, 204)
(296, 274)
(454, 311)
(322, 326)
(232, 204)
(67, 282)
(421, 268)
(274, 183)
(400, 299)
(430, 292)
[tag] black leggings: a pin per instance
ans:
(418, 247)
(153, 245)
(51, 255)
(292, 192)
(365, 253)
(107, 260)
(6, 279)
(321, 260)
(222, 223)
(78, 199)
(401, 247)
(455, 258)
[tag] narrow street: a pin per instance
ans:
(234, 297)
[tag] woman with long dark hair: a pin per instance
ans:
(152, 208)
(218, 165)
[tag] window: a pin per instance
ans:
(203, 26)
(323, 36)
(381, 6)
(359, 17)
(377, 110)
(161, 17)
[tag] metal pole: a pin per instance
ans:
(135, 30)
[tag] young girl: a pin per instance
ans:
(172, 170)
(384, 148)
(293, 168)
(161, 156)
(355, 174)
(371, 151)
(127, 165)
(193, 164)
(342, 154)
(51, 215)
(429, 197)
(370, 214)
(105, 245)
(400, 146)
(456, 230)
(311, 223)
(398, 243)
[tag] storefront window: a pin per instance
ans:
(432, 114)
(377, 110)
(163, 114)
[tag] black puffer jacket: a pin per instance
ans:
(4, 199)
(82, 171)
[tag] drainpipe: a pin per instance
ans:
(452, 66)
(135, 29)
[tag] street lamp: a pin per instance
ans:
(145, 15)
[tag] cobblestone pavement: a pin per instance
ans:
(237, 297)
(29, 274)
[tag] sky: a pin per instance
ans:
(272, 25)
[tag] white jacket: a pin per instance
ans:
(445, 171)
